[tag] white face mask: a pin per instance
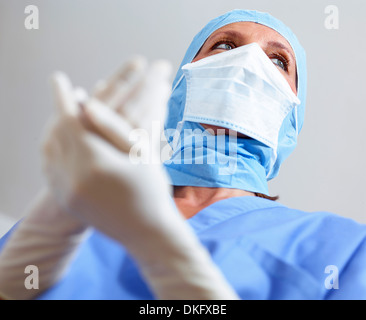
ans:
(242, 90)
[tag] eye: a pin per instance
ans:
(223, 46)
(280, 62)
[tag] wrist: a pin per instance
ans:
(46, 211)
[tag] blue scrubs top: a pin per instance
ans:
(264, 249)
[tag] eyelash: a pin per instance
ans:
(281, 58)
(276, 55)
(230, 43)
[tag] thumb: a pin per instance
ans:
(106, 123)
(64, 95)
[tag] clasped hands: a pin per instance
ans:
(91, 177)
(93, 183)
(86, 149)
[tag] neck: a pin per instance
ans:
(191, 200)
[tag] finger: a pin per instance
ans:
(107, 124)
(115, 91)
(65, 99)
(150, 104)
(80, 94)
(149, 109)
(159, 75)
(49, 147)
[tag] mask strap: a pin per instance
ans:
(176, 136)
(178, 82)
(177, 132)
(296, 122)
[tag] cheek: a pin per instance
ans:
(291, 80)
(205, 52)
(200, 56)
(293, 86)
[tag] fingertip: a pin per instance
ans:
(162, 67)
(126, 76)
(60, 80)
(138, 62)
(63, 92)
(136, 65)
(81, 95)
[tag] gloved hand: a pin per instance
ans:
(46, 238)
(87, 163)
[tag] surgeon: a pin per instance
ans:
(204, 226)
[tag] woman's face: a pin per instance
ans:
(239, 34)
(242, 33)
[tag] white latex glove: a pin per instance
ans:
(90, 173)
(48, 239)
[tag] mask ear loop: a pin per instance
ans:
(297, 90)
(274, 157)
(296, 123)
(178, 82)
(177, 133)
(272, 163)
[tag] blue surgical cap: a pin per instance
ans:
(292, 125)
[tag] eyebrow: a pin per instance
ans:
(228, 33)
(236, 34)
(280, 45)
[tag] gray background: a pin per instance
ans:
(89, 39)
